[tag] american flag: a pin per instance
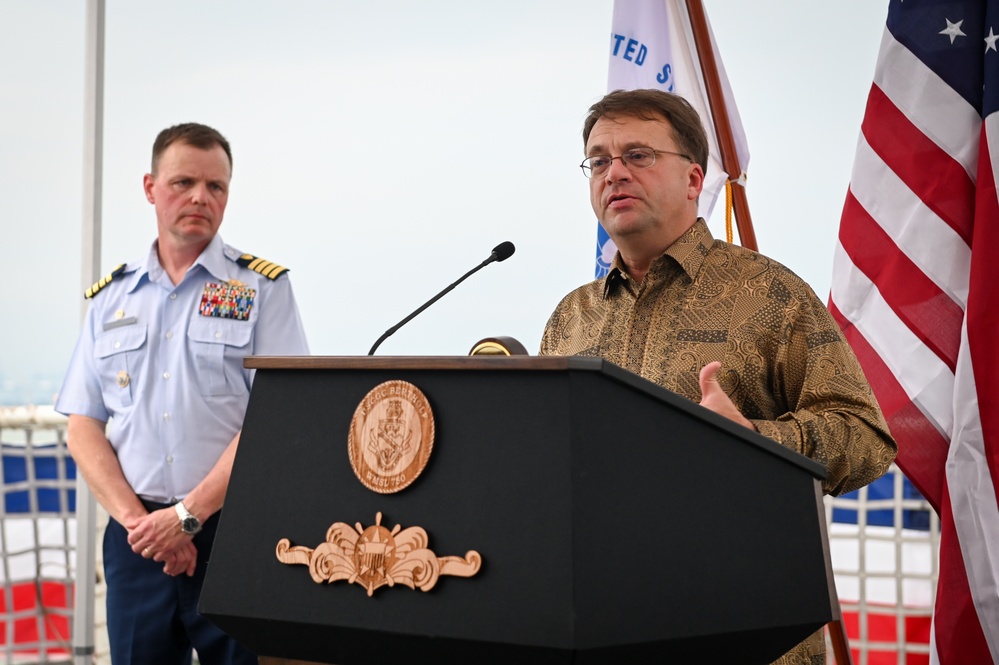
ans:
(914, 289)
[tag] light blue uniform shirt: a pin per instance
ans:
(168, 374)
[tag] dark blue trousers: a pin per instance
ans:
(153, 618)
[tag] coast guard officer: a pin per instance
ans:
(156, 392)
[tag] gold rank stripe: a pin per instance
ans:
(103, 281)
(264, 267)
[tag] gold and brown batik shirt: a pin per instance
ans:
(785, 363)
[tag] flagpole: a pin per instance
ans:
(719, 113)
(93, 137)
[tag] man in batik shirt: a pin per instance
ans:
(719, 324)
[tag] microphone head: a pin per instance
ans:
(504, 250)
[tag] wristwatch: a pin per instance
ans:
(189, 524)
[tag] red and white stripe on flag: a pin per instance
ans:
(914, 289)
(34, 616)
(37, 597)
(879, 626)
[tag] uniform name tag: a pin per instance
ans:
(227, 301)
(127, 321)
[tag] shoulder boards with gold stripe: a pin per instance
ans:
(263, 266)
(103, 281)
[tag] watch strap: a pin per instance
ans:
(189, 524)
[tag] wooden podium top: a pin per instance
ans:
(423, 362)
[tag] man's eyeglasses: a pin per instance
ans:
(635, 159)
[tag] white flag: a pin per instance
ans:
(652, 46)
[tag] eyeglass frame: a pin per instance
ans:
(588, 170)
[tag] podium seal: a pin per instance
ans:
(391, 437)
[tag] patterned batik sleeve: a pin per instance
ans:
(833, 416)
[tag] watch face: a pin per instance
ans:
(190, 525)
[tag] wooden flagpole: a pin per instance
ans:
(719, 115)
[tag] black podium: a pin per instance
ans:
(615, 521)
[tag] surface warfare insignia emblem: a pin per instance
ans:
(391, 437)
(375, 556)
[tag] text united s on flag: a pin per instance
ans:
(652, 45)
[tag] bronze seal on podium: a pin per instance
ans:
(391, 436)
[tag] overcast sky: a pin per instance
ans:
(382, 149)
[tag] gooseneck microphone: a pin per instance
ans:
(501, 252)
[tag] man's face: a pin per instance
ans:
(655, 205)
(190, 191)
